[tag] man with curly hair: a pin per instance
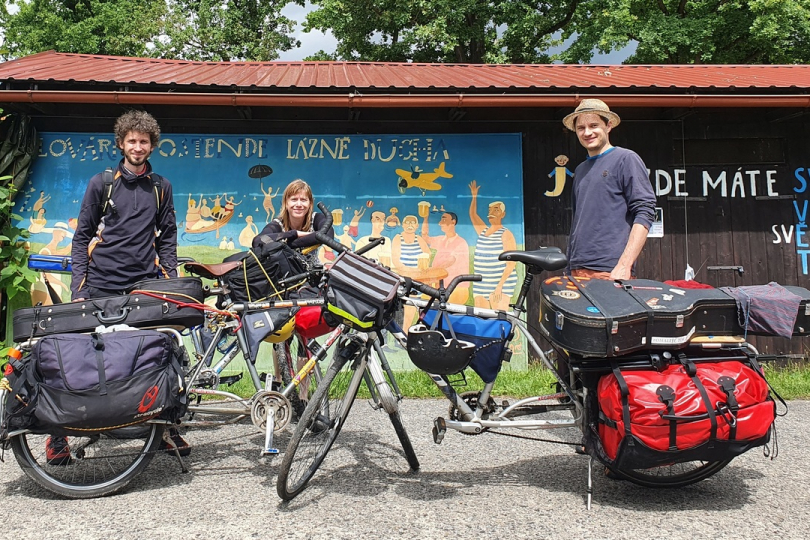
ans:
(126, 229)
(126, 232)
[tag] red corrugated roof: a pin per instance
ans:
(84, 68)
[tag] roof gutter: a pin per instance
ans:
(355, 100)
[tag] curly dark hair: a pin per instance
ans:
(137, 121)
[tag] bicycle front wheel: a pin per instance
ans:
(320, 424)
(90, 466)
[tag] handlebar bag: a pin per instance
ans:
(262, 269)
(360, 293)
(688, 411)
(79, 383)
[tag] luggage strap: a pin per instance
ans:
(650, 312)
(608, 318)
(98, 346)
(691, 371)
(625, 390)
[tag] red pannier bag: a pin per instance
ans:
(685, 412)
(309, 322)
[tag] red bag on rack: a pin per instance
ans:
(689, 411)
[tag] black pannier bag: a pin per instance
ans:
(262, 268)
(155, 306)
(79, 383)
(360, 293)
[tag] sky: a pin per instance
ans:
(312, 42)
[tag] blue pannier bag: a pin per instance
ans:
(490, 337)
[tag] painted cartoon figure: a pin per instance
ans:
(500, 278)
(267, 204)
(248, 233)
(39, 289)
(40, 202)
(559, 173)
(382, 252)
(452, 253)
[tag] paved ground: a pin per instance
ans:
(485, 486)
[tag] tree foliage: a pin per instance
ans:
(188, 29)
(469, 31)
(693, 31)
(115, 27)
(226, 30)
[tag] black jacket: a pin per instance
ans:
(117, 249)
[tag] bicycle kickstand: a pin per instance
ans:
(270, 424)
(590, 482)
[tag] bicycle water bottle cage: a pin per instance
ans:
(431, 351)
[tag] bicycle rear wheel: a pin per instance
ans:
(287, 354)
(672, 476)
(320, 424)
(99, 464)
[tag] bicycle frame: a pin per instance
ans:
(473, 418)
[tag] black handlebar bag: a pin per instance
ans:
(80, 383)
(360, 293)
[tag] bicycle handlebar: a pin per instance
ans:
(444, 292)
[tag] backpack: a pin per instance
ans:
(262, 268)
(693, 409)
(108, 177)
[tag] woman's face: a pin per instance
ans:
(297, 207)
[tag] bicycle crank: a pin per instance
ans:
(266, 402)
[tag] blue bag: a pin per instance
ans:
(489, 335)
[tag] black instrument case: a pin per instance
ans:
(602, 318)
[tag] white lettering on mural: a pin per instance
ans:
(317, 148)
(417, 149)
(94, 149)
(800, 206)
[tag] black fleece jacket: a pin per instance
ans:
(117, 249)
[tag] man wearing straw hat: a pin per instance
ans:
(612, 197)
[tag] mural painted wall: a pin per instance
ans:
(448, 204)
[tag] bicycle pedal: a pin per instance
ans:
(439, 429)
(230, 379)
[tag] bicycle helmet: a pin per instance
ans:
(431, 351)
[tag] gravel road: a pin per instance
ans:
(484, 486)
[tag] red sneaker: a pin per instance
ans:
(57, 451)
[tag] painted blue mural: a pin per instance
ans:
(447, 203)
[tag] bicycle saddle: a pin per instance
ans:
(544, 258)
(212, 271)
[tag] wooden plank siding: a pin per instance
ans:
(705, 230)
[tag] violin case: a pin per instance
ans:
(603, 318)
(150, 303)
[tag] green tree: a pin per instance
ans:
(226, 30)
(693, 31)
(115, 27)
(468, 31)
(187, 29)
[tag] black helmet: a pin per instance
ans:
(432, 351)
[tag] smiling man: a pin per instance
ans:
(612, 198)
(126, 229)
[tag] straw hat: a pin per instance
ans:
(596, 106)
